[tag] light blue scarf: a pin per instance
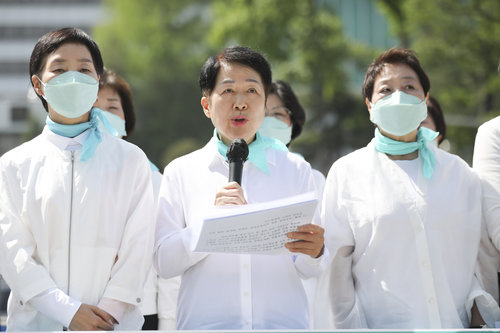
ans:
(257, 150)
(94, 138)
(386, 145)
(154, 168)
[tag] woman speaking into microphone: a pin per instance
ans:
(235, 291)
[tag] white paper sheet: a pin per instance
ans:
(255, 228)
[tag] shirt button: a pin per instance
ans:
(21, 302)
(245, 266)
(419, 228)
(431, 300)
(247, 322)
(138, 300)
(245, 294)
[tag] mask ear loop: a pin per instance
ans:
(43, 84)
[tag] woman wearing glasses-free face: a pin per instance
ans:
(401, 205)
(66, 255)
(277, 109)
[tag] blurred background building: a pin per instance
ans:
(22, 22)
(321, 47)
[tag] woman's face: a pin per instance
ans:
(276, 108)
(392, 78)
(68, 57)
(109, 100)
(396, 77)
(236, 105)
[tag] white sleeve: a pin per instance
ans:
(306, 266)
(487, 306)
(347, 312)
(486, 163)
(173, 254)
(24, 275)
(168, 292)
(55, 304)
(129, 317)
(128, 275)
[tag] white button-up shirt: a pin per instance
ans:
(487, 165)
(403, 252)
(230, 291)
(84, 228)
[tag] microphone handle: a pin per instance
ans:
(235, 171)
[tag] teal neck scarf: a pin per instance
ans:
(392, 147)
(257, 150)
(94, 138)
(154, 168)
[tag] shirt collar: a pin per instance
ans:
(257, 150)
(65, 143)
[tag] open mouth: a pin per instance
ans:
(239, 121)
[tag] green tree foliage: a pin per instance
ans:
(457, 45)
(160, 46)
(303, 41)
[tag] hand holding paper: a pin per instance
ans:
(310, 240)
(260, 228)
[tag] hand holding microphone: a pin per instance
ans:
(232, 193)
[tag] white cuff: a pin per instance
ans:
(309, 267)
(55, 304)
(129, 317)
(115, 308)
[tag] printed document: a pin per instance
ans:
(255, 228)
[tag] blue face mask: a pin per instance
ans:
(115, 121)
(399, 113)
(71, 94)
(275, 128)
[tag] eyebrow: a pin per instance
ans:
(113, 99)
(404, 78)
(85, 60)
(62, 60)
(247, 80)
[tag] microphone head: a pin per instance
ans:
(237, 151)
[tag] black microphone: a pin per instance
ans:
(237, 154)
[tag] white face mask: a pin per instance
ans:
(277, 129)
(399, 113)
(71, 94)
(115, 121)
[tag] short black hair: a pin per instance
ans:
(291, 102)
(394, 55)
(436, 113)
(235, 55)
(51, 41)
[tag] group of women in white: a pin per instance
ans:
(406, 235)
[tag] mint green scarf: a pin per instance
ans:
(257, 149)
(386, 145)
(94, 138)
